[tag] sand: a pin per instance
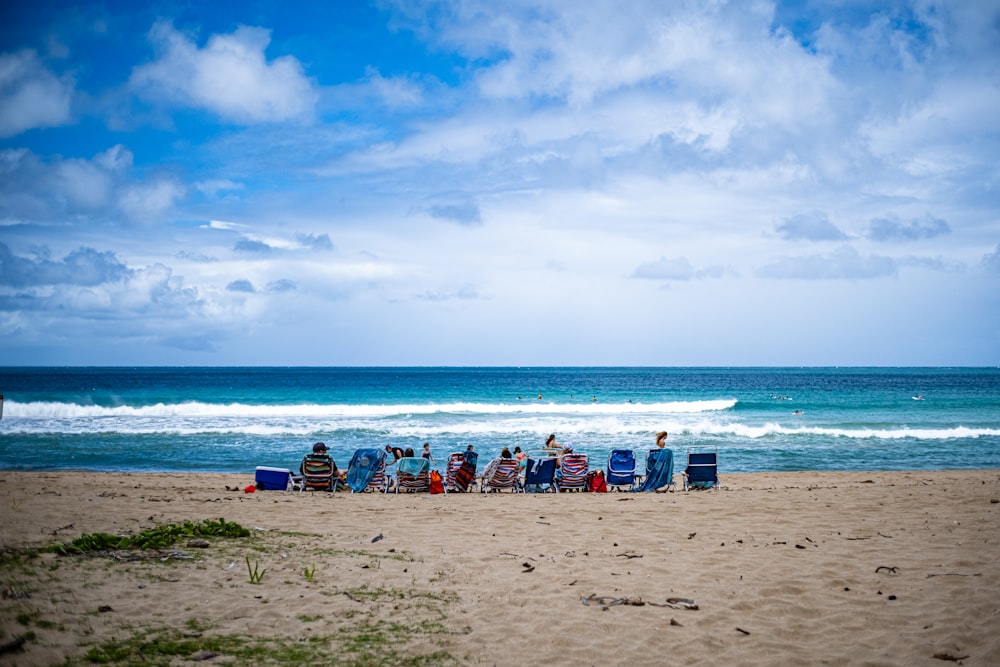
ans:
(793, 568)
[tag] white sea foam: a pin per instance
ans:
(50, 410)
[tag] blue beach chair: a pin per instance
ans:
(659, 470)
(621, 468)
(540, 475)
(702, 470)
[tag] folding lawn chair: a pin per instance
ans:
(540, 475)
(702, 470)
(413, 474)
(505, 475)
(573, 472)
(621, 468)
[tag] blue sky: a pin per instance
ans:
(514, 183)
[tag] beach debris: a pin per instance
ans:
(954, 574)
(198, 543)
(528, 567)
(230, 566)
(682, 603)
(377, 538)
(606, 601)
(630, 554)
(944, 655)
(674, 621)
(204, 655)
(891, 569)
(691, 535)
(66, 527)
(11, 594)
(14, 644)
(104, 608)
(742, 631)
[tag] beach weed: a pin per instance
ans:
(310, 573)
(256, 574)
(160, 537)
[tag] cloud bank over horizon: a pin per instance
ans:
(537, 183)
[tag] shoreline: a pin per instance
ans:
(790, 567)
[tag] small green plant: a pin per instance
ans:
(256, 574)
(310, 573)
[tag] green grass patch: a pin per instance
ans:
(368, 644)
(160, 537)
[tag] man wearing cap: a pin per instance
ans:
(318, 469)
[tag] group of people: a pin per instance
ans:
(320, 459)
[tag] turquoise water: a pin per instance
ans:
(761, 419)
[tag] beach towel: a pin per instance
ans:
(364, 464)
(660, 464)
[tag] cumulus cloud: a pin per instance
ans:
(315, 241)
(991, 261)
(230, 76)
(253, 246)
(83, 266)
(465, 292)
(30, 95)
(282, 285)
(677, 268)
(809, 227)
(845, 263)
(464, 212)
(145, 202)
(241, 285)
(894, 229)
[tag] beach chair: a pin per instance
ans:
(461, 473)
(317, 473)
(659, 470)
(506, 474)
(621, 469)
(413, 474)
(540, 475)
(366, 471)
(702, 470)
(573, 472)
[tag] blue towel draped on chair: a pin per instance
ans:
(364, 464)
(661, 470)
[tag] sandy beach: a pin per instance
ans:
(791, 568)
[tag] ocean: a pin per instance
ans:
(760, 419)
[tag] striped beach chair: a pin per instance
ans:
(413, 474)
(317, 473)
(461, 473)
(573, 472)
(506, 474)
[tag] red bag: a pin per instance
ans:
(437, 486)
(596, 482)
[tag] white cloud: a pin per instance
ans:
(845, 263)
(30, 95)
(230, 76)
(148, 202)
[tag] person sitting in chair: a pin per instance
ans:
(319, 470)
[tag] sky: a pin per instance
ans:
(517, 183)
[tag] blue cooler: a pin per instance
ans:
(273, 479)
